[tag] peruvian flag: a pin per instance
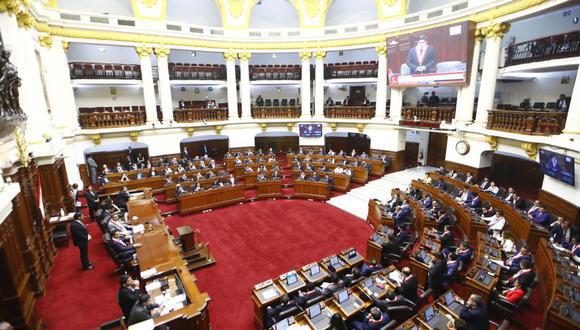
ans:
(39, 194)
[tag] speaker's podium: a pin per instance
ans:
(195, 252)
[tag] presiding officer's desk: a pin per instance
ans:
(520, 227)
(312, 189)
(202, 200)
(340, 182)
(359, 174)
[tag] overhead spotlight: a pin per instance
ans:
(193, 54)
(102, 49)
(274, 55)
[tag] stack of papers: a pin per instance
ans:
(269, 293)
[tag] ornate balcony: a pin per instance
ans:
(429, 114)
(349, 112)
(106, 119)
(196, 114)
(105, 71)
(548, 48)
(276, 112)
(526, 122)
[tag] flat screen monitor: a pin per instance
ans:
(314, 311)
(557, 166)
(310, 130)
(282, 325)
(291, 279)
(342, 296)
(449, 299)
(352, 254)
(368, 282)
(315, 269)
(438, 56)
(333, 260)
(422, 255)
(429, 313)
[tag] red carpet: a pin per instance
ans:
(251, 243)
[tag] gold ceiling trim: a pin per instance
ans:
(140, 38)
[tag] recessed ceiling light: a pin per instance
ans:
(193, 54)
(274, 55)
(102, 49)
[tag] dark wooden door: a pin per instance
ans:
(436, 149)
(357, 94)
(411, 154)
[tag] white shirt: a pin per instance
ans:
(338, 170)
(497, 224)
(492, 189)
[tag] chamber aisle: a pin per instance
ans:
(356, 201)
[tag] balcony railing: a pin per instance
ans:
(276, 112)
(526, 122)
(104, 71)
(366, 69)
(186, 71)
(97, 120)
(275, 72)
(193, 115)
(549, 48)
(429, 114)
(348, 112)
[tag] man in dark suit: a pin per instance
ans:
(92, 164)
(517, 202)
(436, 273)
(372, 321)
(446, 238)
(404, 235)
(390, 246)
(421, 58)
(562, 103)
(81, 237)
(475, 314)
(525, 276)
(92, 201)
(141, 311)
(542, 217)
(123, 198)
(433, 100)
(119, 246)
(260, 101)
(128, 294)
(408, 286)
(347, 101)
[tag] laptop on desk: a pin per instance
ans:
(282, 325)
(318, 317)
(438, 321)
(348, 303)
(426, 259)
(369, 284)
(451, 303)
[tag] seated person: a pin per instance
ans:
(179, 190)
(492, 189)
(103, 180)
(180, 169)
(128, 294)
(509, 194)
(168, 170)
(248, 169)
(512, 265)
(513, 295)
(338, 170)
(199, 176)
(484, 184)
(116, 225)
(487, 211)
(436, 273)
(105, 170)
(119, 246)
(525, 276)
(469, 179)
(276, 175)
(260, 101)
(141, 311)
(541, 217)
(119, 168)
(347, 171)
(183, 178)
(427, 179)
(315, 176)
(197, 188)
(210, 174)
(139, 176)
(391, 300)
(390, 246)
(464, 253)
(452, 269)
(452, 174)
(394, 201)
(534, 209)
(517, 202)
(368, 269)
(261, 177)
(442, 170)
(335, 285)
(372, 321)
(427, 201)
(496, 223)
(443, 219)
(465, 196)
(475, 203)
(408, 286)
(475, 313)
(352, 278)
(309, 292)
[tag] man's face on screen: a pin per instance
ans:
(422, 43)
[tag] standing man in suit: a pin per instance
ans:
(123, 198)
(437, 273)
(81, 238)
(92, 164)
(128, 294)
(562, 103)
(92, 201)
(475, 314)
(408, 286)
(421, 58)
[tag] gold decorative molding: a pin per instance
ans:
(319, 55)
(333, 126)
(381, 50)
(495, 30)
(143, 51)
(235, 13)
(162, 51)
(10, 6)
(388, 9)
(512, 7)
(264, 127)
(492, 141)
(133, 136)
(25, 19)
(65, 45)
(190, 131)
(21, 146)
(96, 139)
(531, 149)
(218, 129)
(244, 56)
(229, 56)
(305, 56)
(360, 127)
(312, 13)
(155, 10)
(479, 35)
(45, 41)
(290, 126)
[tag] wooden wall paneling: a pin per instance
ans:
(336, 143)
(436, 149)
(52, 191)
(411, 153)
(479, 173)
(242, 149)
(65, 187)
(397, 158)
(523, 174)
(545, 267)
(277, 143)
(85, 177)
(215, 148)
(559, 206)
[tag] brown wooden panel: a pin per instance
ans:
(411, 153)
(277, 143)
(559, 206)
(478, 173)
(213, 148)
(436, 149)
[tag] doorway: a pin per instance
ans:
(411, 154)
(436, 149)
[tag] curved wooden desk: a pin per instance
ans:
(210, 198)
(520, 227)
(269, 188)
(171, 197)
(311, 189)
(340, 182)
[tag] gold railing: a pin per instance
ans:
(526, 122)
(276, 112)
(192, 115)
(350, 112)
(111, 119)
(434, 114)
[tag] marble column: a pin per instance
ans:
(466, 94)
(245, 85)
(148, 85)
(319, 84)
(381, 98)
(573, 118)
(231, 85)
(305, 84)
(396, 104)
(494, 34)
(164, 84)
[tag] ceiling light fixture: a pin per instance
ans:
(102, 49)
(274, 55)
(193, 54)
